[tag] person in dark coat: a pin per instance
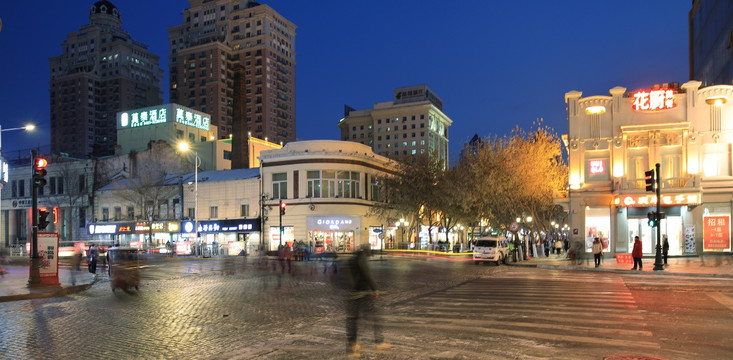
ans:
(361, 302)
(636, 253)
(93, 258)
(665, 248)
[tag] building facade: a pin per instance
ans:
(711, 41)
(100, 71)
(412, 123)
(613, 140)
(225, 41)
(327, 188)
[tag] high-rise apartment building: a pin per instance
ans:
(711, 42)
(235, 60)
(101, 71)
(413, 123)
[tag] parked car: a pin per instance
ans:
(491, 249)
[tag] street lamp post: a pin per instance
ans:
(402, 224)
(184, 147)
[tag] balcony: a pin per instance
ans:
(685, 182)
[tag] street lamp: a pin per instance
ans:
(28, 127)
(184, 147)
(402, 224)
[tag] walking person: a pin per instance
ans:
(636, 253)
(558, 246)
(93, 258)
(665, 249)
(597, 251)
(75, 264)
(287, 258)
(361, 301)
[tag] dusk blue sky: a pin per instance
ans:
(495, 64)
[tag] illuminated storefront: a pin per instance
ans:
(141, 234)
(613, 140)
(233, 235)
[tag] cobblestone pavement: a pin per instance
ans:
(432, 308)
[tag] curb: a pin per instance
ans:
(617, 271)
(61, 291)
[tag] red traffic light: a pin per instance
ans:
(282, 208)
(40, 163)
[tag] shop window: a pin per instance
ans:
(597, 224)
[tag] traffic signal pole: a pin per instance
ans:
(34, 278)
(658, 256)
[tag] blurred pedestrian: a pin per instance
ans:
(558, 246)
(361, 302)
(75, 264)
(665, 248)
(597, 251)
(636, 253)
(287, 258)
(93, 258)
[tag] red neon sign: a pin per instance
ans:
(653, 100)
(596, 167)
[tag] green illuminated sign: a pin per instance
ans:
(160, 114)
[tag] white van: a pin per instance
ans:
(491, 249)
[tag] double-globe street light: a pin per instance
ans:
(184, 147)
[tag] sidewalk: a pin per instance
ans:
(717, 266)
(14, 285)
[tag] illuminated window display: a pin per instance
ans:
(597, 224)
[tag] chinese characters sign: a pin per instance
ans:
(716, 232)
(596, 167)
(162, 114)
(662, 99)
(649, 200)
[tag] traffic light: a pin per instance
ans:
(42, 222)
(39, 171)
(652, 216)
(282, 208)
(649, 178)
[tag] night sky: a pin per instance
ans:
(495, 64)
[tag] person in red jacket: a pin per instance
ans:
(636, 253)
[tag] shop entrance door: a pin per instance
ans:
(640, 227)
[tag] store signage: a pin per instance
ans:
(102, 229)
(716, 232)
(597, 166)
(124, 229)
(141, 227)
(336, 223)
(162, 114)
(224, 225)
(648, 200)
(652, 100)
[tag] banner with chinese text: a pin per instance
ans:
(716, 233)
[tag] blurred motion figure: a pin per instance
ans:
(361, 302)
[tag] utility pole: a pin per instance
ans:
(658, 256)
(34, 278)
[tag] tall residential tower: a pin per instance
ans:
(235, 60)
(101, 71)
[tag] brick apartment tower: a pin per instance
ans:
(221, 37)
(101, 71)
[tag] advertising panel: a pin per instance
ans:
(48, 260)
(716, 233)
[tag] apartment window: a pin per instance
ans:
(82, 217)
(118, 213)
(130, 213)
(244, 210)
(21, 188)
(213, 212)
(280, 185)
(374, 186)
(82, 183)
(105, 214)
(14, 185)
(191, 213)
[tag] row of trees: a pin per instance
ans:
(497, 180)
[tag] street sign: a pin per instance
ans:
(381, 236)
(514, 227)
(377, 230)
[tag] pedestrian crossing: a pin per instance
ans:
(552, 311)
